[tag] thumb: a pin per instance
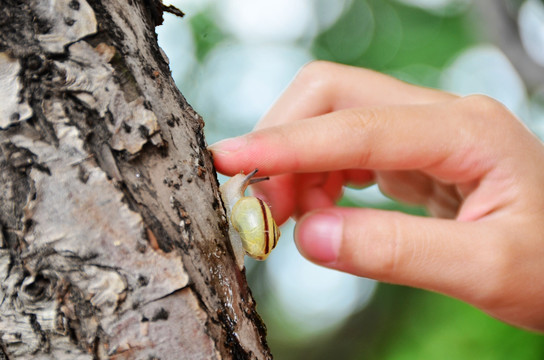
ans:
(447, 256)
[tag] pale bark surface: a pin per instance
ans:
(113, 241)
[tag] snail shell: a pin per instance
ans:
(252, 229)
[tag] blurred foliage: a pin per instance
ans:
(206, 34)
(405, 323)
(391, 206)
(396, 37)
(400, 323)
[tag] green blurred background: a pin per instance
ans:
(232, 58)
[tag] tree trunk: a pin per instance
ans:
(113, 238)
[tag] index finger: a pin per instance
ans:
(322, 87)
(409, 137)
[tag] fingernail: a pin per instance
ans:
(319, 236)
(228, 146)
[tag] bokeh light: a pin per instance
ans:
(531, 28)
(313, 298)
(239, 82)
(266, 20)
(177, 42)
(439, 6)
(486, 70)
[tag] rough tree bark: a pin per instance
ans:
(113, 240)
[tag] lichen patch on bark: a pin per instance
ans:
(12, 109)
(78, 20)
(90, 77)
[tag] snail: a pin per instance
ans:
(252, 230)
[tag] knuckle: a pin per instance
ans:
(483, 120)
(315, 66)
(483, 108)
(367, 125)
(387, 256)
(314, 73)
(361, 120)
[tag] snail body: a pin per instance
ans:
(252, 230)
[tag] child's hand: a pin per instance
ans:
(474, 166)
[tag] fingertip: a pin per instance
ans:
(225, 155)
(247, 152)
(228, 146)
